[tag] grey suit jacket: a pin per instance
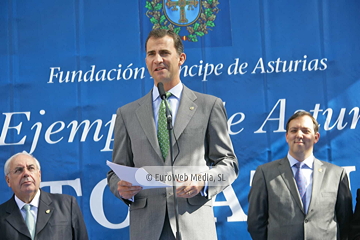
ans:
(59, 217)
(202, 140)
(275, 208)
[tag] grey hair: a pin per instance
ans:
(7, 163)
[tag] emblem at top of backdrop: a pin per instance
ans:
(190, 19)
(189, 11)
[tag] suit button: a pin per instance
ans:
(306, 220)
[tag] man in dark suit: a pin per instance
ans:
(50, 216)
(317, 207)
(202, 140)
(355, 222)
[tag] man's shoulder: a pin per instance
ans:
(330, 166)
(201, 99)
(272, 164)
(7, 203)
(134, 104)
(60, 197)
(200, 95)
(7, 207)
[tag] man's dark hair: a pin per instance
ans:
(300, 114)
(160, 33)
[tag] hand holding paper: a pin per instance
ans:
(136, 176)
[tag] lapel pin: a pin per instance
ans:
(192, 108)
(47, 211)
(320, 170)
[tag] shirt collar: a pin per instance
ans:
(175, 91)
(309, 162)
(34, 202)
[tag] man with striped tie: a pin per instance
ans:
(299, 196)
(200, 139)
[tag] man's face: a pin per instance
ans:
(162, 60)
(301, 137)
(24, 177)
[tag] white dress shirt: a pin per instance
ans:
(174, 101)
(307, 169)
(34, 205)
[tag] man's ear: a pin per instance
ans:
(7, 180)
(317, 137)
(182, 59)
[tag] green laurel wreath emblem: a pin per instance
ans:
(201, 27)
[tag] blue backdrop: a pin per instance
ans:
(66, 66)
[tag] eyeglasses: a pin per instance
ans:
(19, 170)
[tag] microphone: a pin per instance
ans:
(162, 95)
(161, 90)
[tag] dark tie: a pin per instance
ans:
(301, 182)
(30, 221)
(162, 132)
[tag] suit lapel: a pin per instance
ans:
(288, 177)
(318, 176)
(145, 116)
(15, 218)
(44, 212)
(186, 111)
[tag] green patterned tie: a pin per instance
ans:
(30, 221)
(162, 132)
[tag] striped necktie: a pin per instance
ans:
(162, 131)
(301, 182)
(30, 220)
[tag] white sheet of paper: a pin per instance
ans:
(135, 176)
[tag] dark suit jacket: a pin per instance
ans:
(202, 140)
(59, 218)
(275, 208)
(355, 223)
